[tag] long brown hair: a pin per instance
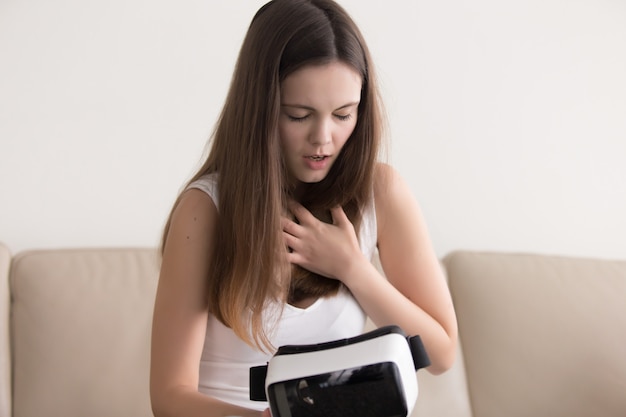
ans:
(249, 268)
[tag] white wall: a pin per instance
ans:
(508, 119)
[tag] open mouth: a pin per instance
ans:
(317, 157)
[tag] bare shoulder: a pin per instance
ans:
(402, 230)
(391, 193)
(194, 208)
(194, 214)
(190, 239)
(388, 182)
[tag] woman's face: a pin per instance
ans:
(319, 106)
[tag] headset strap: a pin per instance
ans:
(257, 383)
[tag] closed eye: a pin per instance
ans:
(298, 119)
(344, 117)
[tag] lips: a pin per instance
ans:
(317, 162)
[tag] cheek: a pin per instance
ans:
(287, 143)
(290, 136)
(344, 134)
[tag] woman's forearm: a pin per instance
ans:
(385, 305)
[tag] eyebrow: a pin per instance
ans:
(302, 106)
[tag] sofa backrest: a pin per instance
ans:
(541, 335)
(5, 346)
(80, 324)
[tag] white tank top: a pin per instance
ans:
(226, 359)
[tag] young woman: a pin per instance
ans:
(272, 240)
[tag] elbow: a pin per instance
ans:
(162, 405)
(156, 402)
(441, 366)
(172, 400)
(156, 411)
(160, 401)
(444, 358)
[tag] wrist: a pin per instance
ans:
(355, 271)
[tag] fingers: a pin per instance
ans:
(318, 246)
(303, 215)
(307, 219)
(291, 227)
(292, 235)
(291, 242)
(339, 216)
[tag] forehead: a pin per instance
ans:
(321, 85)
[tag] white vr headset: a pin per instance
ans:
(371, 375)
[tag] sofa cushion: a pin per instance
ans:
(5, 348)
(542, 335)
(81, 332)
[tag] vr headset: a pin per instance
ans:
(371, 375)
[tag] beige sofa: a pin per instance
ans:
(541, 335)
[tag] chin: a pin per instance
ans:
(309, 176)
(311, 179)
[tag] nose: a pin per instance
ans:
(321, 133)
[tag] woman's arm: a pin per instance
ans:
(413, 295)
(181, 312)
